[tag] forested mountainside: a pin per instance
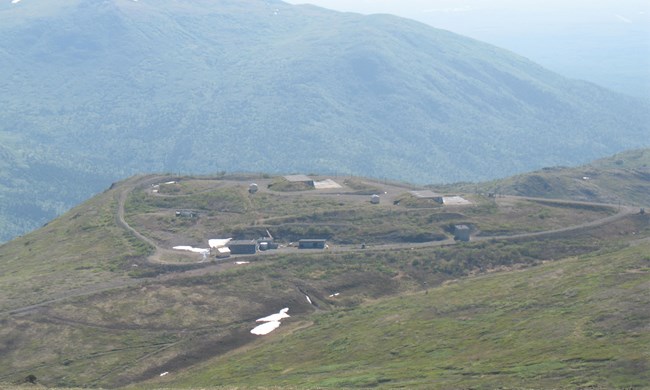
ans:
(96, 90)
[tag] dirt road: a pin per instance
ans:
(141, 182)
(391, 192)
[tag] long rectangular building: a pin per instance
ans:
(312, 243)
(243, 247)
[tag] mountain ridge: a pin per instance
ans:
(623, 178)
(114, 88)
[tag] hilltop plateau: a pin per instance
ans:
(623, 178)
(546, 292)
(97, 90)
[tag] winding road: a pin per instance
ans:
(126, 187)
(142, 182)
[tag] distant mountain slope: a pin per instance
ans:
(108, 88)
(34, 191)
(613, 37)
(624, 178)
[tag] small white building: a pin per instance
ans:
(455, 201)
(223, 252)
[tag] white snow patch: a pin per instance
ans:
(15, 1)
(218, 242)
(170, 182)
(275, 317)
(242, 262)
(266, 328)
(166, 372)
(191, 249)
(272, 322)
(308, 299)
(334, 295)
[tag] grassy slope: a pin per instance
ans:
(624, 177)
(134, 329)
(85, 246)
(79, 249)
(578, 322)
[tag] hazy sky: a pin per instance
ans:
(471, 17)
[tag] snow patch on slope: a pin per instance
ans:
(272, 322)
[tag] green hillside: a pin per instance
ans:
(575, 323)
(622, 178)
(545, 294)
(100, 90)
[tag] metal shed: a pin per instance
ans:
(243, 247)
(298, 178)
(461, 232)
(186, 214)
(312, 243)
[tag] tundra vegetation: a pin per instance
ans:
(89, 303)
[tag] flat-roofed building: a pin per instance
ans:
(327, 184)
(455, 201)
(222, 252)
(299, 179)
(461, 232)
(312, 243)
(242, 247)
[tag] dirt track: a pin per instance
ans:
(130, 185)
(242, 339)
(127, 188)
(390, 192)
